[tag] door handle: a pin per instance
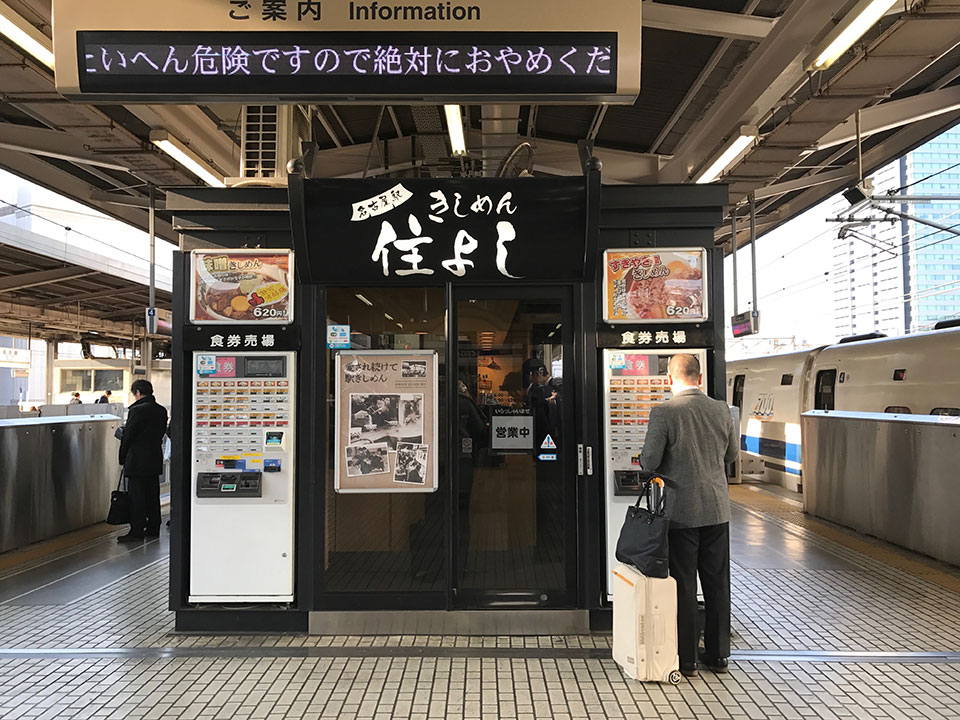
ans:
(589, 460)
(580, 459)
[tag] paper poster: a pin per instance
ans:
(241, 286)
(666, 285)
(386, 421)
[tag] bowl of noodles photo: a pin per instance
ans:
(238, 288)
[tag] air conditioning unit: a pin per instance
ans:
(270, 136)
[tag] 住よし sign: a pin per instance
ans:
(663, 285)
(241, 286)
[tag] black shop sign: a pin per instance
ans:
(423, 231)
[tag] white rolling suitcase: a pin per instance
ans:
(645, 626)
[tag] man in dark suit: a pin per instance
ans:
(690, 440)
(141, 454)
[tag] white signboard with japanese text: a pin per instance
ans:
(387, 415)
(14, 357)
(475, 50)
(511, 428)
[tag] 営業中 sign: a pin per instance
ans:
(511, 428)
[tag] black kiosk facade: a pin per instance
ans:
(436, 445)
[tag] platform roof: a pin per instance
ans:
(709, 67)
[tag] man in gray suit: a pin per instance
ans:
(690, 440)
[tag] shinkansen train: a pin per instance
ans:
(916, 374)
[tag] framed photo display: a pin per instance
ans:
(386, 421)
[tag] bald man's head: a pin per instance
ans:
(685, 368)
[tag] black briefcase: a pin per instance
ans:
(119, 505)
(643, 541)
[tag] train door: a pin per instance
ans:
(825, 396)
(737, 399)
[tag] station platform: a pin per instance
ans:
(827, 624)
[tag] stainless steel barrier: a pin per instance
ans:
(891, 476)
(56, 474)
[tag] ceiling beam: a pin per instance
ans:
(807, 181)
(894, 113)
(706, 22)
(23, 281)
(771, 71)
(52, 178)
(83, 297)
(22, 316)
(54, 144)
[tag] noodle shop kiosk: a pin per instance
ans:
(409, 405)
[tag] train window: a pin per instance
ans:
(900, 375)
(74, 381)
(786, 379)
(898, 410)
(826, 385)
(945, 411)
(738, 383)
(107, 380)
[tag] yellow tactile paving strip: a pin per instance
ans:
(51, 548)
(926, 568)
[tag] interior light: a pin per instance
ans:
(734, 149)
(25, 35)
(362, 299)
(400, 325)
(388, 316)
(458, 143)
(187, 158)
(853, 27)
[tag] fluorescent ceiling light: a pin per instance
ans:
(187, 158)
(728, 158)
(853, 27)
(362, 299)
(458, 143)
(25, 35)
(388, 316)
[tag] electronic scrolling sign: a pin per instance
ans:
(274, 50)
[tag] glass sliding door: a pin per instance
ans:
(515, 475)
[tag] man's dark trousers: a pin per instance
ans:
(707, 550)
(144, 505)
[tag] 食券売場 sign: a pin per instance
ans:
(423, 231)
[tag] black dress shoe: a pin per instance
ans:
(717, 665)
(128, 538)
(689, 670)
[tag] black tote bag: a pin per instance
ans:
(643, 540)
(119, 505)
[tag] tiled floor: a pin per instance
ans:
(110, 653)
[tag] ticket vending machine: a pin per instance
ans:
(242, 500)
(634, 382)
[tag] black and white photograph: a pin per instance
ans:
(414, 369)
(373, 418)
(411, 416)
(411, 466)
(367, 460)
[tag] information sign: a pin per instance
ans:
(338, 337)
(270, 50)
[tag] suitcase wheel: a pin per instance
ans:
(675, 677)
